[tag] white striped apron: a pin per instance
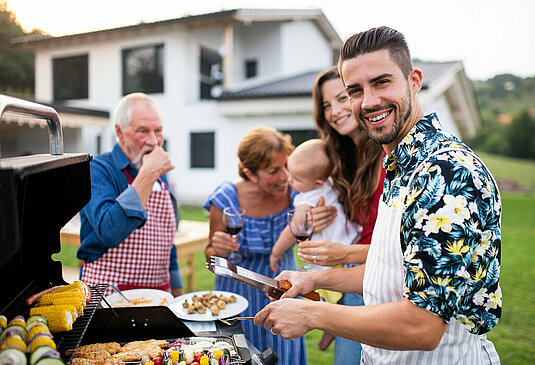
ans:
(383, 283)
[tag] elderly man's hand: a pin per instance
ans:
(289, 317)
(157, 161)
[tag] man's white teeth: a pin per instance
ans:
(379, 117)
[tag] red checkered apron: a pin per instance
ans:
(142, 259)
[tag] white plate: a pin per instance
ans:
(230, 310)
(140, 298)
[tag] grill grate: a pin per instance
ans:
(72, 339)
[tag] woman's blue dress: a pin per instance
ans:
(256, 240)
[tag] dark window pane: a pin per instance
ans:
(211, 73)
(202, 150)
(250, 68)
(143, 70)
(299, 136)
(70, 77)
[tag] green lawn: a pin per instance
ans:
(514, 336)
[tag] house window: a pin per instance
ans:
(250, 68)
(202, 150)
(211, 73)
(299, 136)
(143, 69)
(70, 77)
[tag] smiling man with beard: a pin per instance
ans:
(431, 277)
(128, 227)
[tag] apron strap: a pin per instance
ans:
(131, 180)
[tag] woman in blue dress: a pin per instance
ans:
(263, 192)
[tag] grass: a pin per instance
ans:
(514, 337)
(507, 168)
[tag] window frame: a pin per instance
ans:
(194, 158)
(60, 79)
(158, 82)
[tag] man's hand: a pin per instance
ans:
(157, 162)
(177, 292)
(287, 317)
(302, 282)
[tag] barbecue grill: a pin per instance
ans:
(39, 195)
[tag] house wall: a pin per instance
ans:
(441, 107)
(279, 48)
(301, 50)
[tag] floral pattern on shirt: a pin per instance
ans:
(451, 227)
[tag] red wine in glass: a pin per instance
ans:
(300, 237)
(301, 225)
(234, 231)
(233, 220)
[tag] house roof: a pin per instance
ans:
(237, 16)
(301, 85)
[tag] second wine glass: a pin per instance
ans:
(301, 225)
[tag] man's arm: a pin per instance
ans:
(112, 214)
(345, 280)
(393, 326)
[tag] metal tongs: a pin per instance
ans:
(114, 287)
(274, 288)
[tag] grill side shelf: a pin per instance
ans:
(70, 341)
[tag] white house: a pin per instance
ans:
(215, 76)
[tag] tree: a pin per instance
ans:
(16, 65)
(521, 136)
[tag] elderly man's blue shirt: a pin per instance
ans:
(115, 209)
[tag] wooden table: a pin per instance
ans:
(190, 238)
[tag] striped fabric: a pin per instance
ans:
(383, 283)
(256, 240)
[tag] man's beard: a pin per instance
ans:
(379, 134)
(138, 160)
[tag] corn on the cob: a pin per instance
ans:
(77, 286)
(75, 298)
(60, 317)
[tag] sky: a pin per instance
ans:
(490, 37)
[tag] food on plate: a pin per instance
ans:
(208, 300)
(30, 339)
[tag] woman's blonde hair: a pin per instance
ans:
(257, 148)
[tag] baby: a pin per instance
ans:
(309, 168)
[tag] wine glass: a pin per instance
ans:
(233, 221)
(301, 225)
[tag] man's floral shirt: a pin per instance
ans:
(451, 227)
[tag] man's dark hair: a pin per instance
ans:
(377, 39)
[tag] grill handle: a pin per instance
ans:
(28, 108)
